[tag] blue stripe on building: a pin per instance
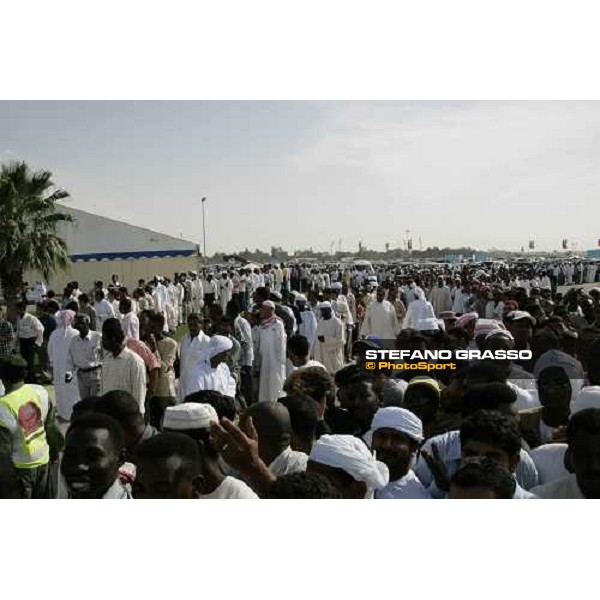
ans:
(131, 255)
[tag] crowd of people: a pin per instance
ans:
(251, 383)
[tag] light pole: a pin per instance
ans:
(204, 231)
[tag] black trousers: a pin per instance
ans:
(27, 346)
(246, 385)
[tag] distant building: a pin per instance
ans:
(100, 247)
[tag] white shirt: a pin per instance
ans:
(86, 352)
(29, 327)
(104, 310)
(207, 378)
(549, 460)
(231, 488)
(131, 325)
(127, 371)
(407, 488)
(565, 488)
(192, 354)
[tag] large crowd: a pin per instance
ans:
(237, 382)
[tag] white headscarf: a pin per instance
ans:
(64, 320)
(588, 397)
(352, 456)
(218, 344)
(400, 419)
(571, 366)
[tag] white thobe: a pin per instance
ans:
(104, 310)
(161, 298)
(193, 352)
(244, 333)
(225, 292)
(561, 489)
(342, 310)
(197, 295)
(549, 460)
(406, 488)
(331, 351)
(418, 311)
(219, 379)
(271, 355)
(131, 325)
(67, 394)
(308, 327)
(380, 321)
(440, 299)
(461, 302)
(290, 312)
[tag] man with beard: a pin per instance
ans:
(395, 437)
(380, 319)
(329, 347)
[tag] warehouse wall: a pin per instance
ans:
(129, 271)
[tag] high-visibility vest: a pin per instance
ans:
(23, 412)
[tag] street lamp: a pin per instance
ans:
(203, 231)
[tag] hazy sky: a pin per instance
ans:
(299, 174)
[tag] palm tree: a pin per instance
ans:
(28, 221)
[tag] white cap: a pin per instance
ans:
(189, 416)
(269, 304)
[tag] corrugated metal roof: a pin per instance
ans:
(93, 237)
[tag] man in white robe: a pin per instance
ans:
(329, 347)
(194, 350)
(213, 373)
(66, 389)
(160, 296)
(196, 290)
(380, 319)
(308, 324)
(129, 320)
(440, 297)
(420, 314)
(225, 290)
(271, 354)
(104, 309)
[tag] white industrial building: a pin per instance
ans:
(100, 247)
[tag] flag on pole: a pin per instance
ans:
(203, 200)
(565, 244)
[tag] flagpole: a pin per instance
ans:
(204, 231)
